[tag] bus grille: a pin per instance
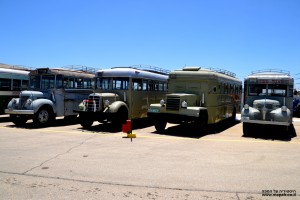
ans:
(93, 103)
(22, 102)
(173, 103)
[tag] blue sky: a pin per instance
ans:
(237, 35)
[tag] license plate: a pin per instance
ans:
(154, 110)
(245, 118)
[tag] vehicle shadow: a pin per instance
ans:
(191, 131)
(4, 118)
(56, 123)
(112, 128)
(268, 132)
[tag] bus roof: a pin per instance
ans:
(270, 74)
(13, 73)
(131, 72)
(203, 73)
(62, 71)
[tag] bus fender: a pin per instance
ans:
(37, 104)
(13, 103)
(115, 106)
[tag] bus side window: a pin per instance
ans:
(5, 84)
(71, 83)
(66, 82)
(156, 86)
(136, 84)
(145, 85)
(24, 85)
(16, 84)
(161, 86)
(87, 83)
(125, 83)
(78, 83)
(59, 82)
(151, 86)
(165, 86)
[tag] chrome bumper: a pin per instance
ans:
(244, 119)
(19, 112)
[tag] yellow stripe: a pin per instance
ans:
(170, 137)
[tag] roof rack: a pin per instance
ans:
(150, 68)
(80, 68)
(223, 71)
(271, 70)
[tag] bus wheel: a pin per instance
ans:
(201, 123)
(18, 120)
(86, 122)
(247, 128)
(233, 114)
(43, 116)
(120, 118)
(160, 125)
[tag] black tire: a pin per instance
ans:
(233, 114)
(120, 118)
(247, 129)
(43, 117)
(160, 125)
(18, 120)
(85, 121)
(201, 123)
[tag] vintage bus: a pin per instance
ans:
(53, 93)
(197, 95)
(268, 99)
(12, 80)
(123, 93)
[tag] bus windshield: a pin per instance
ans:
(35, 82)
(42, 82)
(267, 90)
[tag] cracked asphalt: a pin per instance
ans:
(66, 162)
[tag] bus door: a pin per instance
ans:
(139, 99)
(73, 95)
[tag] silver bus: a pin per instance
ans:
(123, 93)
(12, 80)
(198, 95)
(268, 99)
(52, 93)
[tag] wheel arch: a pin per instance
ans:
(39, 103)
(116, 106)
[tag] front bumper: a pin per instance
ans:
(247, 120)
(19, 112)
(97, 116)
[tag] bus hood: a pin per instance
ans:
(36, 94)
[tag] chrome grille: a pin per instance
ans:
(22, 101)
(173, 103)
(94, 103)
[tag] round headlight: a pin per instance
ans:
(106, 103)
(246, 106)
(184, 104)
(28, 102)
(283, 108)
(162, 102)
(14, 101)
